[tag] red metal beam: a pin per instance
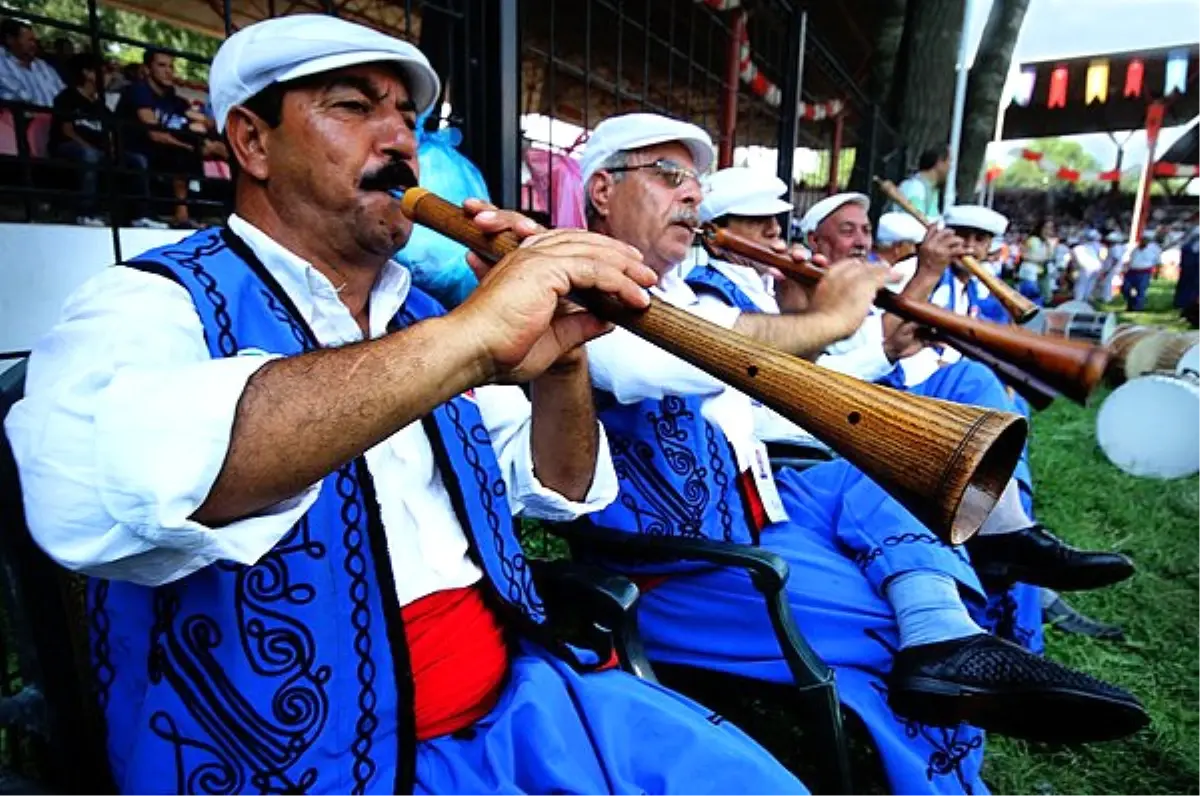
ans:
(729, 100)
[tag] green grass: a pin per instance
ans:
(1087, 500)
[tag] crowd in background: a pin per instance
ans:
(132, 117)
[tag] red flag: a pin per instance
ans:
(1134, 74)
(1070, 175)
(1058, 88)
(1029, 154)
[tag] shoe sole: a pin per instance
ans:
(1059, 715)
(1064, 581)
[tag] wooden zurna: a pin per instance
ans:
(1019, 307)
(946, 463)
(1037, 366)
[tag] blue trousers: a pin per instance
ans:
(1016, 613)
(844, 539)
(1134, 289)
(557, 731)
(1030, 290)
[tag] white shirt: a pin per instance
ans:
(634, 370)
(36, 84)
(923, 364)
(127, 422)
(1145, 257)
(769, 425)
(1034, 253)
(1087, 257)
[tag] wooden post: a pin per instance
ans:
(729, 100)
(835, 152)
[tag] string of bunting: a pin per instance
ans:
(758, 83)
(1068, 174)
(1175, 170)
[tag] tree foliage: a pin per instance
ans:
(1023, 173)
(985, 87)
(121, 23)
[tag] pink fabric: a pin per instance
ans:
(37, 134)
(555, 176)
(217, 170)
(8, 134)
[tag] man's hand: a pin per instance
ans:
(792, 295)
(519, 314)
(844, 295)
(940, 248)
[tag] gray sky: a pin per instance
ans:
(1075, 28)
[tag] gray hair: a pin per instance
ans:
(616, 160)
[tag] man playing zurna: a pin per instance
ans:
(878, 597)
(291, 477)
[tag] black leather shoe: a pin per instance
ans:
(1036, 556)
(999, 687)
(1064, 617)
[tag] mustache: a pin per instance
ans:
(395, 174)
(687, 217)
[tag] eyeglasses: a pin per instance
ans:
(670, 172)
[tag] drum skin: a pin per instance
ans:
(1150, 427)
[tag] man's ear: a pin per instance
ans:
(599, 190)
(249, 141)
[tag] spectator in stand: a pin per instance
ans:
(60, 57)
(82, 133)
(924, 187)
(1036, 256)
(1142, 262)
(114, 77)
(156, 125)
(23, 76)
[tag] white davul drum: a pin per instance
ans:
(1189, 363)
(1150, 427)
(1176, 346)
(1142, 357)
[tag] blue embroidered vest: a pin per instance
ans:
(706, 279)
(677, 472)
(290, 675)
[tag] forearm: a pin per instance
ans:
(805, 335)
(160, 137)
(302, 417)
(564, 436)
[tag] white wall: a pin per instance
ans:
(41, 264)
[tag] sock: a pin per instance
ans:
(1047, 598)
(1009, 515)
(928, 608)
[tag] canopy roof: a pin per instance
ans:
(1118, 111)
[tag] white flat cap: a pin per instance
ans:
(830, 205)
(898, 228)
(742, 192)
(975, 217)
(636, 130)
(1114, 237)
(285, 48)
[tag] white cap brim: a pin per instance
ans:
(764, 206)
(423, 83)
